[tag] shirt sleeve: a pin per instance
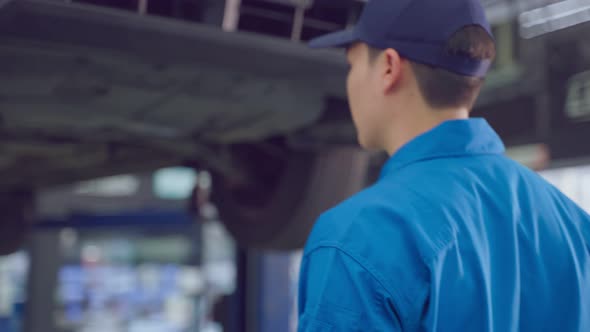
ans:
(337, 293)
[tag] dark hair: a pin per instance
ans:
(444, 89)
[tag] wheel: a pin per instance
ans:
(16, 219)
(279, 208)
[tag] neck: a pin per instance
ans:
(411, 124)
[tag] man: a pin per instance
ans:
(453, 236)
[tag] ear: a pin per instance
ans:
(393, 69)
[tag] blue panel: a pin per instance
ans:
(140, 219)
(276, 292)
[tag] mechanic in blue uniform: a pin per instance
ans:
(453, 236)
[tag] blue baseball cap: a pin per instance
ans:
(418, 30)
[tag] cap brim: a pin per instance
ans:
(336, 39)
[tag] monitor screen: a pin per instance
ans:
(128, 281)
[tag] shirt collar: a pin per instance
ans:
(450, 139)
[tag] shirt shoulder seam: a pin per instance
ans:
(395, 296)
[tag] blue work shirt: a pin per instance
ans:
(454, 236)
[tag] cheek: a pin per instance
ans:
(349, 88)
(352, 92)
(353, 86)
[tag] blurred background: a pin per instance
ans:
(162, 161)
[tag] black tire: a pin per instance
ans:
(309, 184)
(15, 220)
